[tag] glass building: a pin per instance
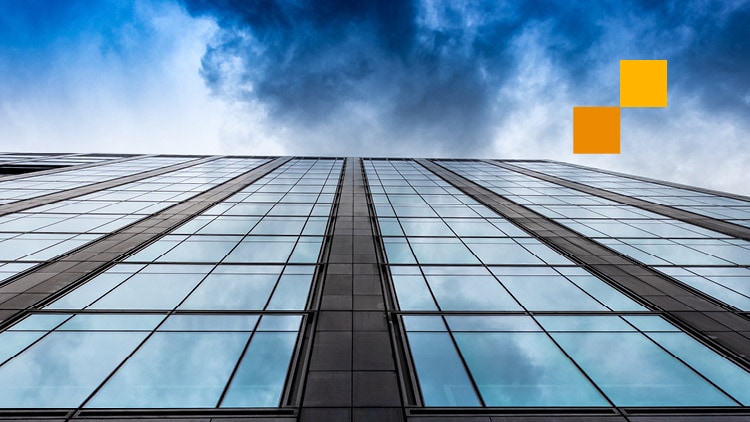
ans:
(221, 288)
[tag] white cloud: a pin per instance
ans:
(684, 143)
(93, 100)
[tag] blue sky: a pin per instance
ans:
(383, 78)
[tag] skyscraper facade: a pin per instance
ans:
(369, 289)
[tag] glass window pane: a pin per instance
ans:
(291, 293)
(492, 323)
(423, 323)
(232, 291)
(39, 322)
(229, 225)
(111, 322)
(200, 249)
(90, 291)
(61, 370)
(425, 227)
(502, 253)
(307, 250)
(412, 293)
(721, 371)
(442, 251)
(149, 291)
(279, 226)
(193, 225)
(583, 323)
(390, 227)
(157, 248)
(606, 294)
(260, 377)
(442, 377)
(534, 372)
(12, 342)
(174, 369)
(315, 227)
(641, 374)
(249, 209)
(398, 251)
(549, 293)
(474, 227)
(262, 249)
(60, 248)
(291, 209)
(280, 323)
(203, 322)
(480, 293)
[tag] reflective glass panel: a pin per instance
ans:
(642, 374)
(533, 371)
(174, 369)
(259, 379)
(62, 369)
(442, 377)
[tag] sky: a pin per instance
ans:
(423, 78)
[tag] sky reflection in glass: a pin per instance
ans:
(441, 376)
(255, 255)
(260, 377)
(650, 238)
(640, 374)
(174, 369)
(525, 369)
(62, 369)
(515, 363)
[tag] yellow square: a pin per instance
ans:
(643, 83)
(596, 130)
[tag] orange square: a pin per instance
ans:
(643, 83)
(596, 130)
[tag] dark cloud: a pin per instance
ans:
(432, 72)
(715, 65)
(310, 62)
